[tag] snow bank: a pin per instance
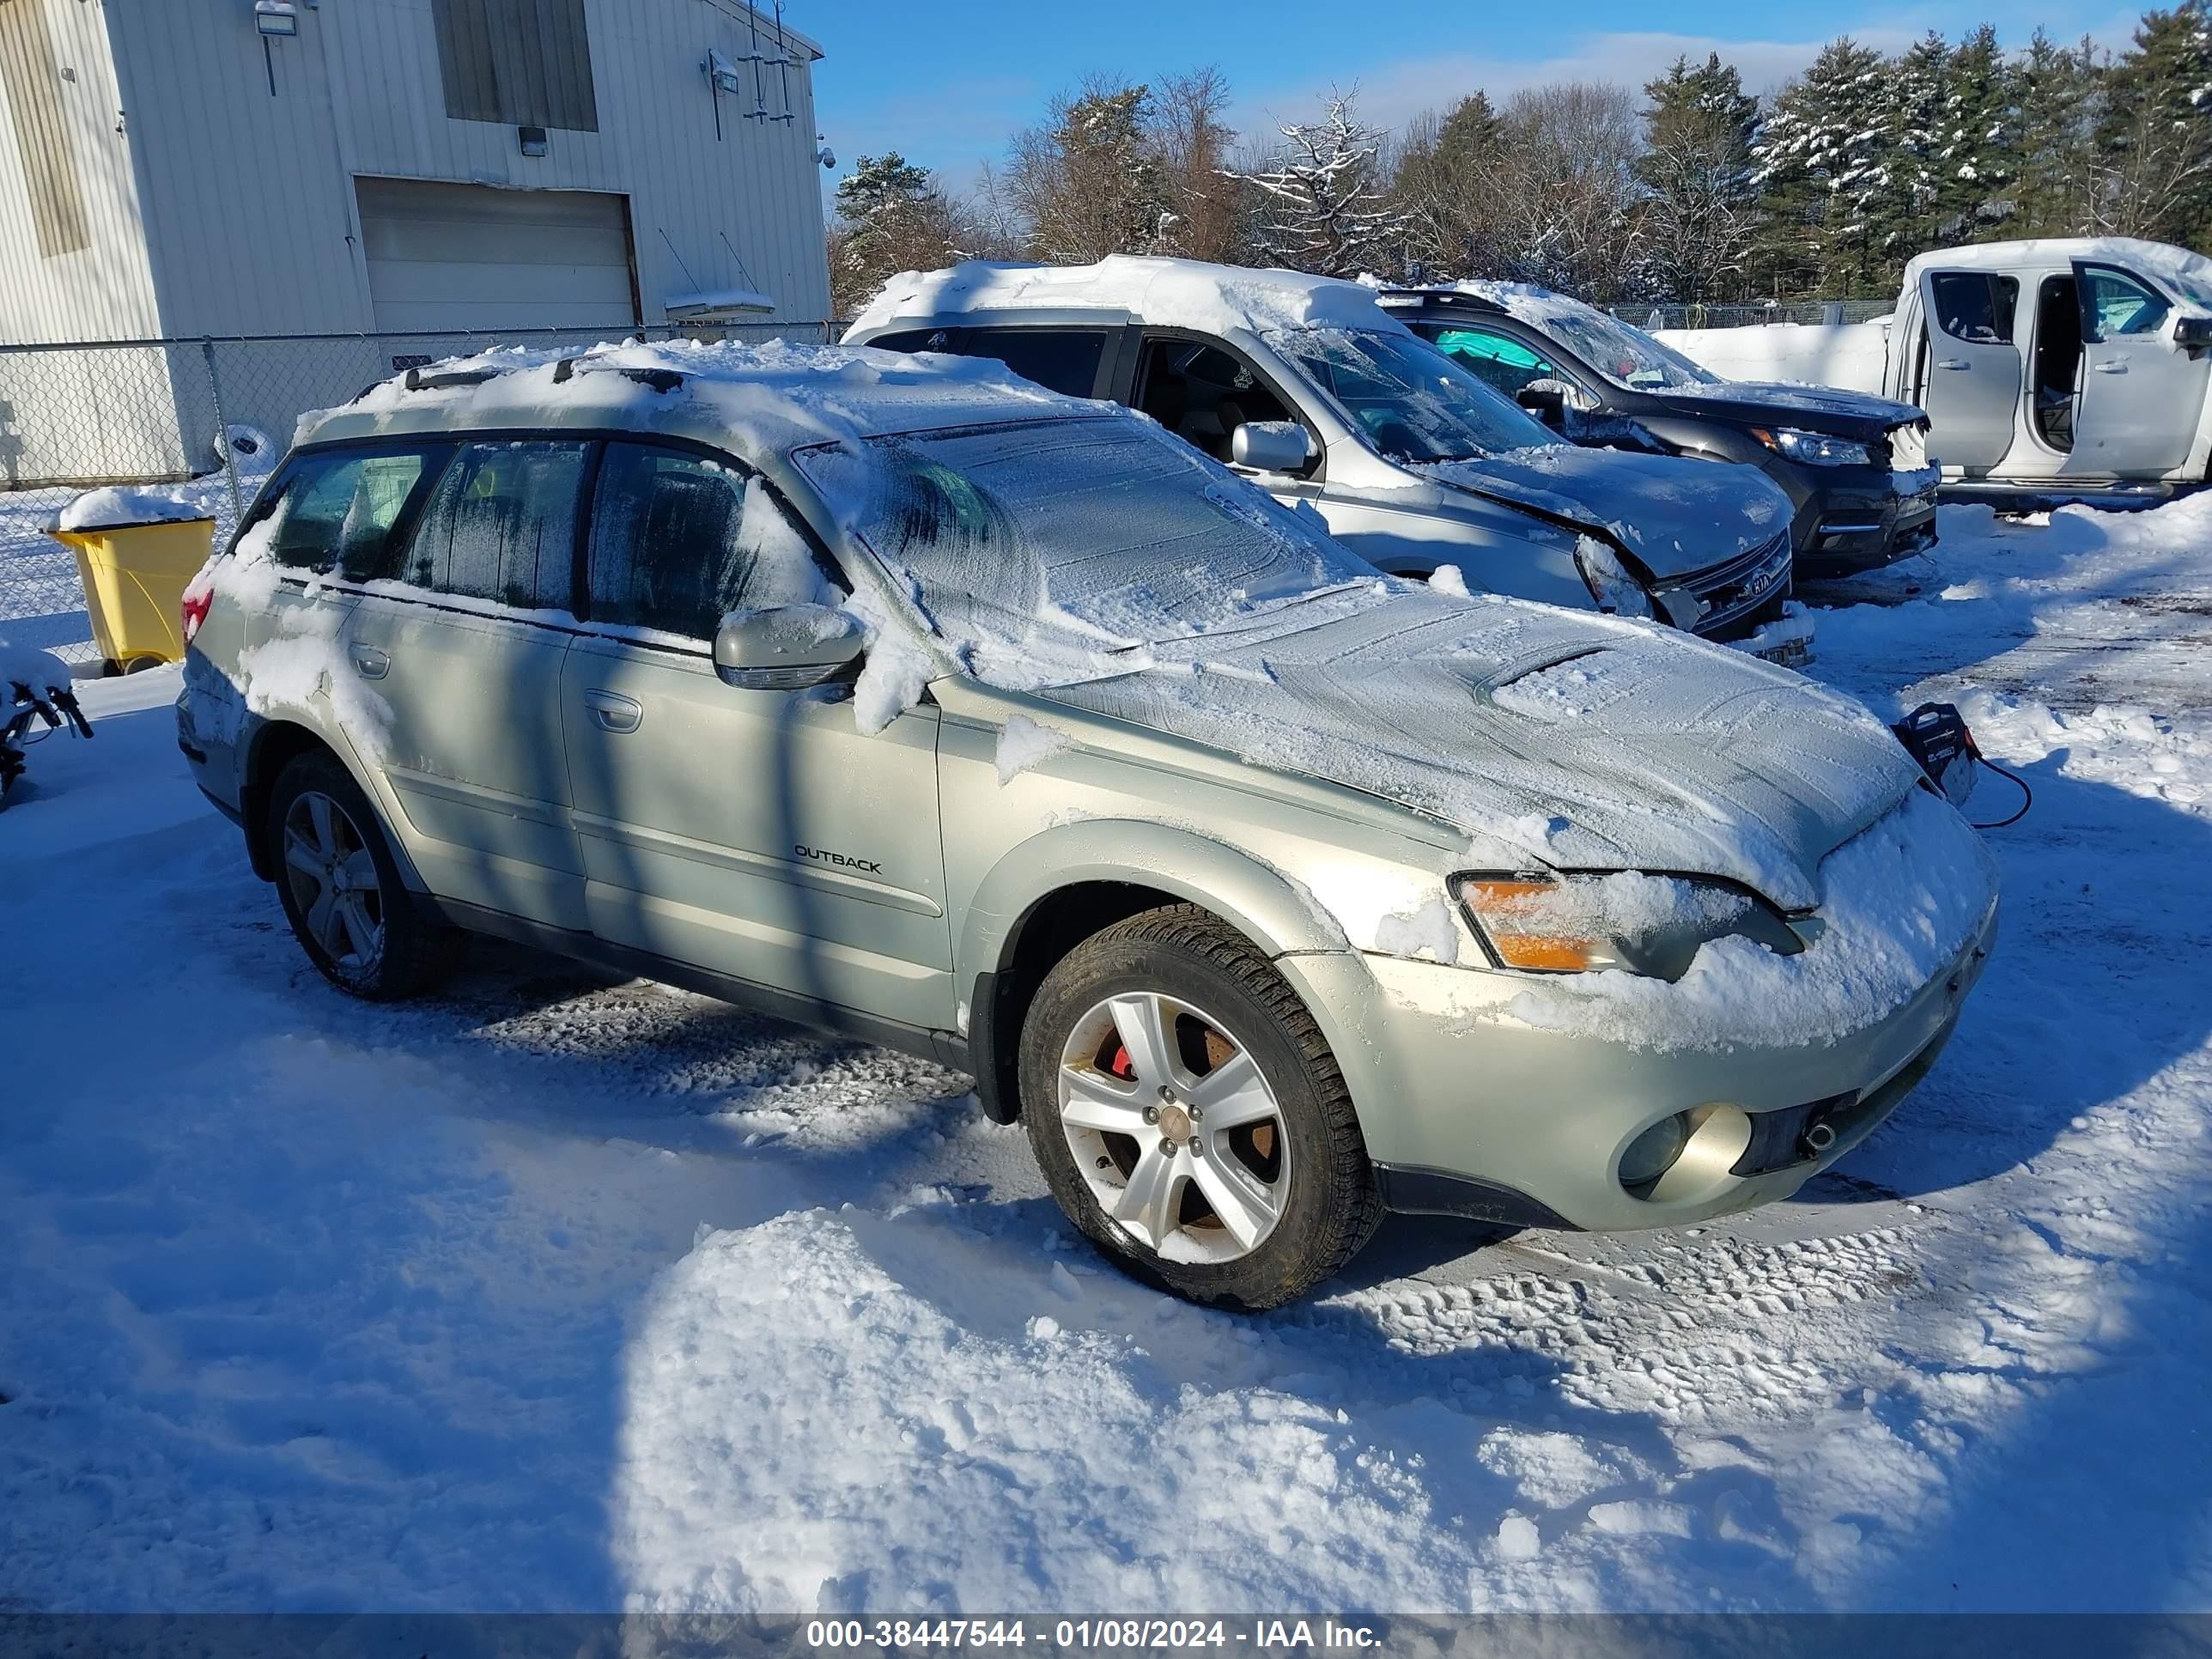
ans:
(1167, 293)
(117, 505)
(1898, 903)
(900, 1415)
(1853, 356)
(40, 671)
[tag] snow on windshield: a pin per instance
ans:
(1051, 551)
(1414, 402)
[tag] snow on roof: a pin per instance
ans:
(1172, 293)
(757, 400)
(2158, 259)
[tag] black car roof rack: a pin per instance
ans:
(417, 381)
(1450, 296)
(663, 381)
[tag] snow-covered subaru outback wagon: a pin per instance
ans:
(1307, 386)
(898, 696)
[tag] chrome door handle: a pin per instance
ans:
(374, 664)
(2109, 368)
(1953, 362)
(614, 714)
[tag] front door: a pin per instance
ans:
(1972, 384)
(466, 654)
(2140, 394)
(760, 834)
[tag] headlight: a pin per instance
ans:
(1639, 924)
(1610, 584)
(1814, 449)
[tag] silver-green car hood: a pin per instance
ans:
(1587, 743)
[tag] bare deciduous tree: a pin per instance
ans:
(1322, 205)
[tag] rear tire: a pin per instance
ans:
(341, 889)
(1169, 1031)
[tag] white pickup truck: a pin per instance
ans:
(2053, 371)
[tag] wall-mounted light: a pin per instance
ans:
(276, 18)
(722, 72)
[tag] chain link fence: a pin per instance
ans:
(1746, 316)
(207, 418)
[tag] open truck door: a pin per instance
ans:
(2141, 390)
(1969, 372)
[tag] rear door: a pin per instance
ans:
(466, 649)
(2140, 395)
(758, 833)
(1972, 385)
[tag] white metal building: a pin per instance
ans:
(182, 168)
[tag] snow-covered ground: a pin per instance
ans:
(555, 1293)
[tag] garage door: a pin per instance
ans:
(446, 256)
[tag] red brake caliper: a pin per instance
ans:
(1120, 1065)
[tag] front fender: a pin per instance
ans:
(1273, 910)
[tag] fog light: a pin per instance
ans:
(1652, 1153)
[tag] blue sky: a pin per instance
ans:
(944, 84)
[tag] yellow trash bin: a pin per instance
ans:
(134, 576)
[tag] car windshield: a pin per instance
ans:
(1624, 353)
(1045, 552)
(1414, 402)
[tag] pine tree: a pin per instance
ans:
(1979, 157)
(2057, 98)
(1323, 204)
(1089, 183)
(1825, 160)
(1445, 183)
(892, 216)
(2155, 134)
(1919, 108)
(1700, 219)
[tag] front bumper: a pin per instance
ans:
(1467, 1111)
(1854, 518)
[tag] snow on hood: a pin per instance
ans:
(1676, 516)
(1589, 743)
(1168, 293)
(1753, 398)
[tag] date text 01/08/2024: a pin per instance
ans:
(1262, 1635)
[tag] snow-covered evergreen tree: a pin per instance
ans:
(1917, 138)
(892, 216)
(1700, 218)
(2057, 95)
(1979, 159)
(1323, 204)
(1089, 182)
(1446, 183)
(1828, 193)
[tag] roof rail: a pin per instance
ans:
(417, 381)
(662, 380)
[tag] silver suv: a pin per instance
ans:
(901, 697)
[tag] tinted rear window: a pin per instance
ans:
(502, 526)
(339, 508)
(1064, 359)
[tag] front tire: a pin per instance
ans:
(341, 889)
(1189, 1117)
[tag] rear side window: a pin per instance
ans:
(337, 511)
(1064, 359)
(502, 526)
(1202, 394)
(914, 339)
(1975, 305)
(680, 539)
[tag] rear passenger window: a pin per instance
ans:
(680, 539)
(338, 512)
(1063, 360)
(1975, 305)
(502, 526)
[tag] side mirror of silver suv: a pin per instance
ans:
(786, 648)
(1271, 446)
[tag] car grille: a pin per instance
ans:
(1908, 447)
(1738, 596)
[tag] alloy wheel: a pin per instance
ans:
(1175, 1127)
(333, 881)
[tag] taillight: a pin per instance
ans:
(192, 610)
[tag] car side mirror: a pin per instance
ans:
(787, 647)
(2193, 333)
(1546, 400)
(1271, 446)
